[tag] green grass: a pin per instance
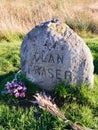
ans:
(11, 36)
(9, 60)
(93, 44)
(80, 105)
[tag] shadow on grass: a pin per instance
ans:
(94, 49)
(96, 65)
(5, 78)
(11, 100)
(71, 94)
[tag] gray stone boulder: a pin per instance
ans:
(52, 52)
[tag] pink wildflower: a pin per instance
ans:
(17, 94)
(19, 87)
(22, 94)
(16, 88)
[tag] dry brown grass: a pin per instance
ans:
(22, 15)
(46, 103)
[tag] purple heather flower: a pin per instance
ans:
(15, 91)
(16, 88)
(14, 84)
(22, 95)
(8, 85)
(9, 91)
(17, 94)
(19, 87)
(24, 88)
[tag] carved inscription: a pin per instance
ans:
(68, 76)
(50, 58)
(46, 69)
(51, 72)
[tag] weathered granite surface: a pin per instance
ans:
(52, 52)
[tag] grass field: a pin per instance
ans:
(79, 105)
(80, 15)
